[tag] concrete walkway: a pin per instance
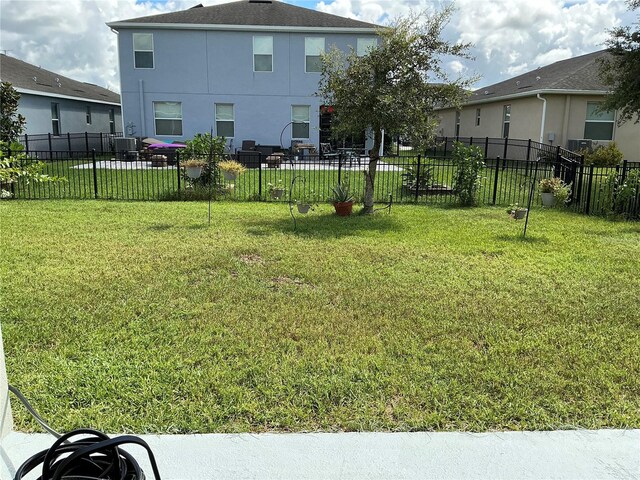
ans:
(579, 454)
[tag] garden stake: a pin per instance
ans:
(293, 182)
(533, 186)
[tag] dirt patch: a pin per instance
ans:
(251, 259)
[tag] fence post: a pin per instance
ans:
(95, 173)
(260, 181)
(624, 172)
(578, 195)
(418, 179)
(495, 180)
(50, 146)
(486, 147)
(178, 168)
(470, 141)
(589, 185)
(446, 142)
(69, 142)
(339, 168)
(506, 146)
(529, 150)
(86, 141)
(556, 168)
(26, 143)
(101, 144)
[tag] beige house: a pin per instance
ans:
(555, 104)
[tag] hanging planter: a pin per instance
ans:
(304, 208)
(194, 168)
(517, 212)
(231, 169)
(548, 199)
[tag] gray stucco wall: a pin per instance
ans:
(37, 110)
(202, 68)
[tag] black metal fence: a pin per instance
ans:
(408, 178)
(46, 145)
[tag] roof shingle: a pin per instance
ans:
(256, 13)
(30, 77)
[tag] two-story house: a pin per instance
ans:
(556, 104)
(248, 70)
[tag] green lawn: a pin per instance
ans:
(139, 317)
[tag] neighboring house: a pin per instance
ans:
(554, 104)
(249, 70)
(52, 103)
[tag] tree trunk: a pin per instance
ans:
(374, 156)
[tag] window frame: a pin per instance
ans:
(457, 123)
(263, 54)
(612, 122)
(233, 121)
(506, 120)
(478, 114)
(306, 55)
(155, 119)
(112, 121)
(88, 115)
(307, 123)
(55, 120)
(366, 47)
(153, 55)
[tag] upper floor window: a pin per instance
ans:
(365, 45)
(225, 121)
(457, 123)
(506, 120)
(300, 119)
(263, 53)
(477, 117)
(55, 118)
(112, 121)
(88, 114)
(168, 118)
(143, 50)
(313, 48)
(598, 125)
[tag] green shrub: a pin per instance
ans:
(466, 182)
(604, 156)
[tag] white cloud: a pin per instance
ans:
(510, 36)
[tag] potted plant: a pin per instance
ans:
(231, 169)
(276, 190)
(306, 201)
(411, 184)
(194, 167)
(553, 190)
(516, 211)
(342, 200)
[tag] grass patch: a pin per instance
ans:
(139, 317)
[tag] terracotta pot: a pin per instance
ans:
(343, 209)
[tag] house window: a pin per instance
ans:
(477, 117)
(506, 120)
(263, 53)
(112, 121)
(143, 50)
(598, 125)
(457, 123)
(300, 119)
(55, 119)
(365, 45)
(225, 122)
(313, 48)
(168, 118)
(88, 114)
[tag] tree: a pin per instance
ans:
(11, 122)
(396, 87)
(621, 71)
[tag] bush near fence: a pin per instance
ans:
(507, 178)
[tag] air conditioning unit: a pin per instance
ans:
(125, 145)
(581, 144)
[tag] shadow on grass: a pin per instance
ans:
(517, 237)
(325, 225)
(161, 227)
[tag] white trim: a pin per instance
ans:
(324, 49)
(215, 117)
(153, 54)
(533, 93)
(243, 28)
(155, 131)
(253, 46)
(67, 97)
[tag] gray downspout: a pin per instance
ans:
(143, 124)
(544, 117)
